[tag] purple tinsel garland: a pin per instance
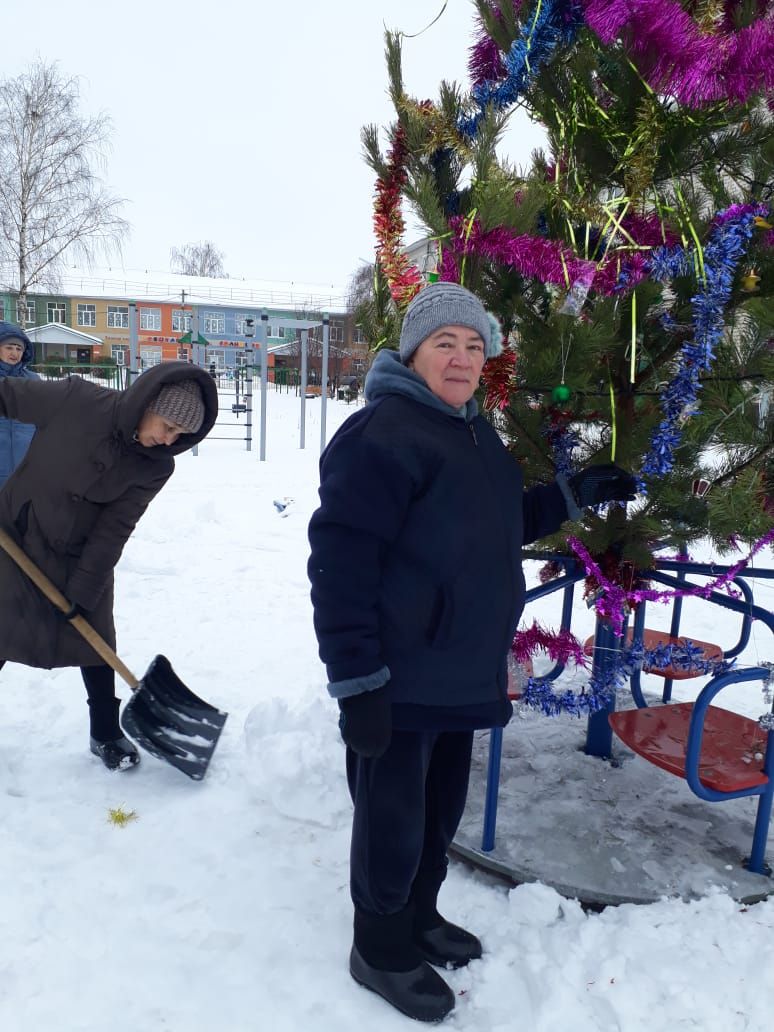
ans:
(676, 57)
(671, 51)
(534, 257)
(561, 646)
(612, 601)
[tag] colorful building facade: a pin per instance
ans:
(102, 332)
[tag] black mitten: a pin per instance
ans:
(605, 483)
(75, 610)
(366, 722)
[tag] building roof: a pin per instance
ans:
(169, 288)
(58, 333)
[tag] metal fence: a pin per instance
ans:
(237, 390)
(105, 375)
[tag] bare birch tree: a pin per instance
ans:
(202, 259)
(53, 204)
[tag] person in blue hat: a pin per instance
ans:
(16, 355)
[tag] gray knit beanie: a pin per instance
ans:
(181, 403)
(447, 304)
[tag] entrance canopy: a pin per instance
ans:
(55, 340)
(64, 336)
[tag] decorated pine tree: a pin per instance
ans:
(631, 264)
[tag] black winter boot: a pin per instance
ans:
(107, 739)
(447, 945)
(439, 941)
(384, 960)
(118, 754)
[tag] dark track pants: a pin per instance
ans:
(408, 804)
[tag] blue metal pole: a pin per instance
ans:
(674, 631)
(492, 787)
(599, 734)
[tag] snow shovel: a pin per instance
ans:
(163, 716)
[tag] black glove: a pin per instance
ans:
(366, 722)
(605, 483)
(75, 610)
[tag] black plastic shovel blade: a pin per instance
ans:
(171, 723)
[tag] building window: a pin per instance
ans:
(358, 337)
(181, 321)
(150, 356)
(150, 319)
(214, 323)
(336, 333)
(87, 315)
(119, 353)
(118, 316)
(56, 311)
(32, 315)
(216, 357)
(240, 321)
(2, 310)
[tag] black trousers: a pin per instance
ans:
(100, 684)
(408, 805)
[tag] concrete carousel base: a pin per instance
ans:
(604, 832)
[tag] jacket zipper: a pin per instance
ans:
(473, 433)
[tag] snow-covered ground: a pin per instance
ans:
(223, 906)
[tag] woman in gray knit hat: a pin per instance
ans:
(97, 459)
(415, 635)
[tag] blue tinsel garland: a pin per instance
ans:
(562, 441)
(552, 23)
(724, 251)
(596, 695)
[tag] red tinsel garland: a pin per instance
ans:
(404, 279)
(497, 379)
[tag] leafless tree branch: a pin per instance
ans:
(200, 259)
(53, 204)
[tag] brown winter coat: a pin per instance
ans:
(74, 501)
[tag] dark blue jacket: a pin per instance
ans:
(15, 437)
(415, 564)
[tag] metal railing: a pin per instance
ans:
(115, 376)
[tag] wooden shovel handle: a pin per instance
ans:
(54, 595)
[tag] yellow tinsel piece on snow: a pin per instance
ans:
(121, 817)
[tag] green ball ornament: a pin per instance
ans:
(561, 393)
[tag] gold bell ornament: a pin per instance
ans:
(750, 281)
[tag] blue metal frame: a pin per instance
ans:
(599, 732)
(674, 631)
(756, 862)
(747, 608)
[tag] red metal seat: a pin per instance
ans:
(516, 678)
(733, 746)
(652, 639)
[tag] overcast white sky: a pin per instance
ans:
(239, 121)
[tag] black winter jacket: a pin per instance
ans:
(415, 565)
